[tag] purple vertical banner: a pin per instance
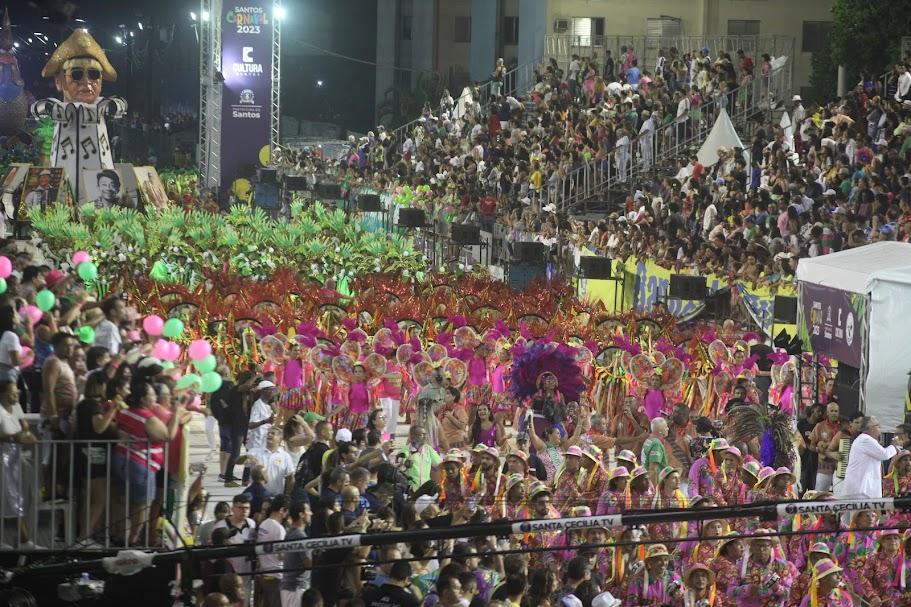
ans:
(246, 62)
(834, 322)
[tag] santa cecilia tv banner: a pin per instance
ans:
(246, 63)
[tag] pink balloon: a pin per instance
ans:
(153, 325)
(173, 351)
(161, 349)
(26, 357)
(6, 267)
(79, 257)
(199, 349)
(33, 312)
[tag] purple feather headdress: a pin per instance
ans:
(531, 361)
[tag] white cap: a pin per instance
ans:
(264, 384)
(606, 599)
(343, 435)
(570, 600)
(421, 504)
(796, 98)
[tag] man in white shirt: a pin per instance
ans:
(278, 463)
(647, 140)
(904, 83)
(240, 528)
(863, 476)
(107, 334)
(708, 217)
(270, 563)
(261, 416)
(622, 154)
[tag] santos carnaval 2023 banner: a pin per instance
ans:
(246, 62)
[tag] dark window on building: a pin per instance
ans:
(743, 27)
(816, 36)
(407, 20)
(462, 31)
(510, 30)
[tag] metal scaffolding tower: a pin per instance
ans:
(278, 17)
(211, 81)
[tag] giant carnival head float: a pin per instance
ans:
(78, 67)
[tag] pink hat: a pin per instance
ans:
(826, 567)
(627, 456)
(765, 474)
(493, 452)
(784, 470)
(574, 450)
(618, 472)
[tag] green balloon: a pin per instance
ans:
(159, 272)
(205, 365)
(2, 285)
(45, 300)
(211, 382)
(86, 334)
(189, 380)
(87, 271)
(166, 364)
(172, 328)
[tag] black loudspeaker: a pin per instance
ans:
(595, 268)
(465, 234)
(369, 203)
(785, 310)
(411, 218)
(687, 287)
(847, 388)
(295, 183)
(266, 175)
(329, 191)
(532, 252)
(248, 170)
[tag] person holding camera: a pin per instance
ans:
(765, 578)
(416, 459)
(655, 583)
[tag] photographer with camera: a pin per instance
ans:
(655, 583)
(416, 459)
(765, 579)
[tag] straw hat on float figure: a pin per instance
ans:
(78, 67)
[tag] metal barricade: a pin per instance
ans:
(73, 494)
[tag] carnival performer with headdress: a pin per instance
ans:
(764, 577)
(616, 498)
(568, 482)
(731, 490)
(826, 590)
(515, 496)
(858, 540)
(656, 582)
(781, 393)
(898, 480)
(547, 376)
(594, 474)
(669, 495)
(356, 402)
(700, 589)
(882, 577)
(704, 472)
(704, 548)
(726, 564)
(538, 507)
(453, 483)
(803, 583)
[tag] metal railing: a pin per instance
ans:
(579, 184)
(520, 78)
(648, 48)
(70, 495)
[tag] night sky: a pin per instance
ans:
(346, 27)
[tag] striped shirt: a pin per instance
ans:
(132, 421)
